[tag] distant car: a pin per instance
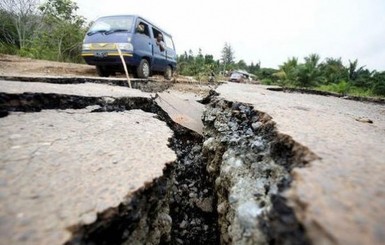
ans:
(236, 77)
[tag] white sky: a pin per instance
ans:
(269, 31)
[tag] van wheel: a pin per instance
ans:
(168, 73)
(102, 71)
(143, 69)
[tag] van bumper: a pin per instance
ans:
(109, 58)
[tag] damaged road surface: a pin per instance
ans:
(92, 163)
(338, 195)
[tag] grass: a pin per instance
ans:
(345, 89)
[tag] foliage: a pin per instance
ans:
(204, 66)
(309, 74)
(266, 73)
(63, 31)
(378, 87)
(333, 71)
(267, 81)
(227, 57)
(8, 48)
(254, 68)
(51, 31)
(330, 75)
(242, 65)
(21, 16)
(8, 32)
(200, 66)
(342, 87)
(288, 72)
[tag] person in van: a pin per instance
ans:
(160, 43)
(140, 28)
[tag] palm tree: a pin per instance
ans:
(354, 72)
(359, 77)
(309, 74)
(378, 86)
(333, 71)
(312, 59)
(287, 73)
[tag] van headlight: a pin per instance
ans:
(125, 46)
(86, 46)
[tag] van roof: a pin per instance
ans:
(138, 17)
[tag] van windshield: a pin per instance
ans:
(111, 24)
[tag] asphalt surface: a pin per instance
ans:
(340, 199)
(59, 168)
(83, 89)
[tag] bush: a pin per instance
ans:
(342, 87)
(378, 87)
(267, 81)
(8, 48)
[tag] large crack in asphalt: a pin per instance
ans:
(252, 162)
(226, 187)
(177, 208)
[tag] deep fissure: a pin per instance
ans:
(252, 162)
(225, 187)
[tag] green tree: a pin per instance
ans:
(254, 68)
(288, 72)
(8, 34)
(353, 70)
(242, 65)
(308, 74)
(63, 31)
(333, 71)
(22, 17)
(378, 87)
(227, 56)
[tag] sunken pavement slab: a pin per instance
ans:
(59, 168)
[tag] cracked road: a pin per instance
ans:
(60, 167)
(339, 198)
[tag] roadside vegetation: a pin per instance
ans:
(49, 30)
(52, 30)
(330, 75)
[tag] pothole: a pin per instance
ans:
(226, 187)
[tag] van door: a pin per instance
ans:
(142, 42)
(170, 50)
(159, 51)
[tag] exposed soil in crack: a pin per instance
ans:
(193, 202)
(252, 162)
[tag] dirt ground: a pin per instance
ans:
(12, 65)
(15, 65)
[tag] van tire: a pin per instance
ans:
(168, 73)
(143, 69)
(102, 71)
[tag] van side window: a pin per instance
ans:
(156, 32)
(168, 41)
(159, 39)
(142, 28)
